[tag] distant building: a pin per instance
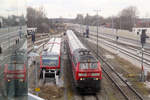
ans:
(143, 22)
(139, 30)
(31, 30)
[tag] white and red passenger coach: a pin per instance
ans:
(50, 58)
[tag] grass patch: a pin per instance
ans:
(132, 71)
(112, 96)
(141, 87)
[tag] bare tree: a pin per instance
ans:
(37, 18)
(127, 18)
(79, 19)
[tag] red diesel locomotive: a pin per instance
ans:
(16, 69)
(87, 73)
(15, 74)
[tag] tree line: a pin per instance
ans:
(12, 20)
(125, 19)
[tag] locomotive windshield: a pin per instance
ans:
(88, 66)
(88, 62)
(50, 60)
(14, 68)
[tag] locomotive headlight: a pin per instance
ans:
(95, 74)
(82, 74)
(21, 80)
(96, 79)
(8, 80)
(82, 78)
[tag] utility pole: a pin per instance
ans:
(80, 24)
(36, 79)
(120, 23)
(112, 23)
(97, 29)
(143, 41)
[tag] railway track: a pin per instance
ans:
(124, 51)
(86, 97)
(146, 52)
(128, 92)
(92, 97)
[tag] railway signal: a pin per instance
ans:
(143, 37)
(87, 32)
(0, 49)
(137, 33)
(143, 41)
(20, 32)
(33, 37)
(117, 38)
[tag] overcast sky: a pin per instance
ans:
(69, 8)
(12, 7)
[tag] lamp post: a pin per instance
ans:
(80, 24)
(120, 23)
(97, 29)
(9, 10)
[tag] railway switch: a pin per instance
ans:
(0, 49)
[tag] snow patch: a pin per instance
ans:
(109, 56)
(147, 84)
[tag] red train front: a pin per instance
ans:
(87, 73)
(15, 74)
(14, 71)
(16, 68)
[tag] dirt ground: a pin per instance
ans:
(51, 92)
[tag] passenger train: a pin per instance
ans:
(50, 58)
(87, 73)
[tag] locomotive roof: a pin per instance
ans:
(81, 53)
(74, 42)
(84, 56)
(53, 47)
